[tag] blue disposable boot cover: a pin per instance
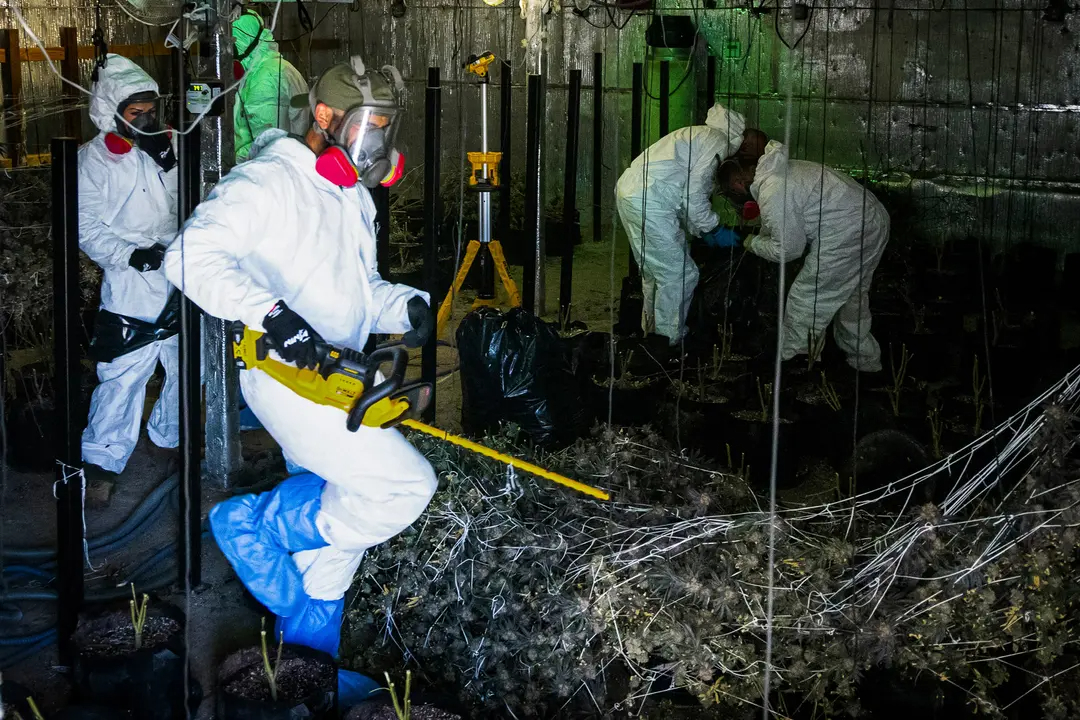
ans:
(314, 623)
(259, 533)
(354, 688)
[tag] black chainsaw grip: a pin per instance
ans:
(399, 357)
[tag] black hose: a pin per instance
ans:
(111, 539)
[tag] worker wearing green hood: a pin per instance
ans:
(269, 84)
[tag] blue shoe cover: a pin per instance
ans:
(259, 533)
(315, 624)
(354, 688)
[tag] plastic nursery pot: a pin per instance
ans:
(383, 709)
(932, 357)
(146, 683)
(750, 439)
(633, 400)
(306, 685)
(823, 432)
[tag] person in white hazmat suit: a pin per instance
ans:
(840, 230)
(667, 188)
(127, 216)
(286, 244)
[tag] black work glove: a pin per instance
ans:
(159, 148)
(147, 259)
(423, 322)
(294, 340)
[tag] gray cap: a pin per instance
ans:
(348, 85)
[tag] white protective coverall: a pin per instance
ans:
(126, 202)
(842, 229)
(666, 188)
(273, 229)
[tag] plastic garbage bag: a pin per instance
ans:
(117, 335)
(515, 368)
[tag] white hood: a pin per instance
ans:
(728, 122)
(117, 81)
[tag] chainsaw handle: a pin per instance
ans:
(399, 357)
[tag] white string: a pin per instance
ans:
(70, 472)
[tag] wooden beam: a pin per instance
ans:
(86, 52)
(69, 69)
(11, 78)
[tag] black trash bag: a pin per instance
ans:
(88, 712)
(515, 368)
(117, 335)
(307, 684)
(147, 683)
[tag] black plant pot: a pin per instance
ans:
(146, 683)
(630, 406)
(932, 357)
(307, 686)
(823, 432)
(750, 438)
(556, 237)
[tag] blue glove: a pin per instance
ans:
(721, 237)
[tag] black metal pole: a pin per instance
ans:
(635, 132)
(573, 123)
(531, 224)
(710, 83)
(432, 149)
(598, 145)
(502, 232)
(665, 97)
(381, 197)
(69, 421)
(189, 192)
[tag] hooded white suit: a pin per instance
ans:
(126, 202)
(667, 188)
(274, 229)
(842, 229)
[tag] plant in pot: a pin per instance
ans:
(825, 430)
(390, 707)
(132, 660)
(632, 396)
(752, 431)
(299, 682)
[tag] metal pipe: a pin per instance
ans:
(432, 150)
(188, 194)
(598, 145)
(70, 529)
(665, 97)
(573, 123)
(505, 125)
(534, 251)
(635, 134)
(222, 430)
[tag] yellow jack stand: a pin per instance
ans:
(483, 179)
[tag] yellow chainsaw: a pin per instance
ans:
(344, 378)
(348, 380)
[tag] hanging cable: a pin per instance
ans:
(101, 49)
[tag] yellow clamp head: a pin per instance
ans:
(478, 64)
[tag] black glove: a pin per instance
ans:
(423, 322)
(294, 340)
(147, 259)
(158, 147)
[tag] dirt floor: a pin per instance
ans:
(224, 616)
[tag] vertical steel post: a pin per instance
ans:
(505, 124)
(188, 194)
(665, 97)
(573, 123)
(69, 69)
(69, 419)
(635, 132)
(214, 62)
(531, 296)
(432, 150)
(598, 146)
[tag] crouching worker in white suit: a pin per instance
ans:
(286, 244)
(840, 230)
(665, 193)
(127, 216)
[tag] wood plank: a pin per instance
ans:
(86, 52)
